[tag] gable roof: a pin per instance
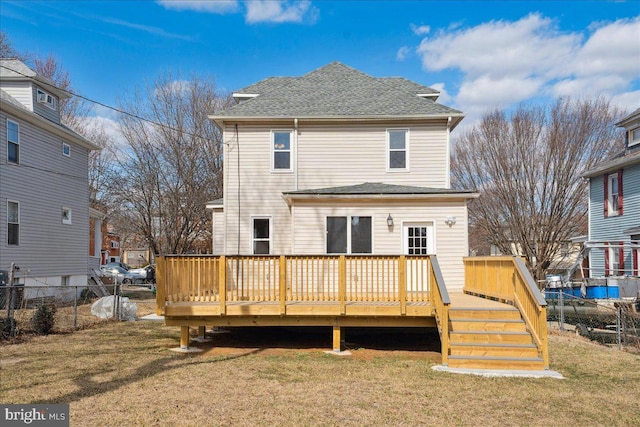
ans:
(622, 160)
(14, 69)
(337, 91)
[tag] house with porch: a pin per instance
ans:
(614, 208)
(338, 211)
(44, 191)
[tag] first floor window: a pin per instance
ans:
(66, 216)
(350, 234)
(261, 236)
(281, 150)
(13, 223)
(13, 142)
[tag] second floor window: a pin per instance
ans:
(398, 149)
(613, 194)
(13, 142)
(281, 151)
(634, 137)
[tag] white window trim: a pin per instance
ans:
(13, 142)
(273, 151)
(69, 220)
(373, 218)
(633, 132)
(49, 100)
(611, 211)
(406, 150)
(68, 149)
(19, 228)
(270, 239)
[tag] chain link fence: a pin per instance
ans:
(613, 321)
(71, 306)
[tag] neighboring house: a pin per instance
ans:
(44, 191)
(339, 162)
(614, 208)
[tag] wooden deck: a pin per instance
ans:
(506, 327)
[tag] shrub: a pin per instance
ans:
(43, 319)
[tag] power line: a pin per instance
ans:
(110, 107)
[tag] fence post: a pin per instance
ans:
(75, 309)
(561, 304)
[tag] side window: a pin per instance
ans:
(13, 223)
(281, 151)
(13, 142)
(66, 149)
(397, 149)
(261, 236)
(66, 216)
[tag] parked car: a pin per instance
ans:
(121, 275)
(148, 272)
(117, 264)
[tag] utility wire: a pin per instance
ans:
(110, 107)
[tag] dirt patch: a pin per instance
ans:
(10, 361)
(362, 343)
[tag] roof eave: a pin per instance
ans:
(610, 167)
(455, 117)
(55, 128)
(289, 198)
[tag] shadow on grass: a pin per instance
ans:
(88, 387)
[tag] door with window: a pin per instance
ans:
(417, 240)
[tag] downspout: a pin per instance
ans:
(295, 185)
(448, 178)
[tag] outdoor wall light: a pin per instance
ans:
(390, 221)
(450, 221)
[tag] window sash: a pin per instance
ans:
(349, 234)
(261, 237)
(397, 142)
(281, 144)
(13, 223)
(13, 142)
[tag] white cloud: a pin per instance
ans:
(256, 11)
(280, 11)
(420, 30)
(507, 62)
(627, 100)
(444, 96)
(402, 53)
(210, 6)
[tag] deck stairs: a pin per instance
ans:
(486, 334)
(96, 285)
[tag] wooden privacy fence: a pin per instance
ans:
(507, 279)
(321, 278)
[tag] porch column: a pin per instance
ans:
(336, 338)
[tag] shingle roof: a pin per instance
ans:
(377, 188)
(623, 159)
(629, 118)
(335, 91)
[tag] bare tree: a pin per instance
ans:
(172, 168)
(527, 166)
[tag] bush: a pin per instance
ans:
(5, 327)
(43, 319)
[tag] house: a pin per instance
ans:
(338, 212)
(44, 196)
(339, 162)
(614, 208)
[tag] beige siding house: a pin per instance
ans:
(340, 162)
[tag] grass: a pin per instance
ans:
(123, 374)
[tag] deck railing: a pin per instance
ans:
(507, 278)
(441, 302)
(287, 278)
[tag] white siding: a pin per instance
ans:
(451, 243)
(327, 155)
(21, 91)
(218, 232)
(43, 110)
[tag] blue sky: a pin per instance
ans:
(480, 55)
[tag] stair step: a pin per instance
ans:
(484, 313)
(490, 337)
(502, 350)
(496, 362)
(482, 325)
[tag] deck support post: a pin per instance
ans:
(184, 337)
(201, 331)
(336, 339)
